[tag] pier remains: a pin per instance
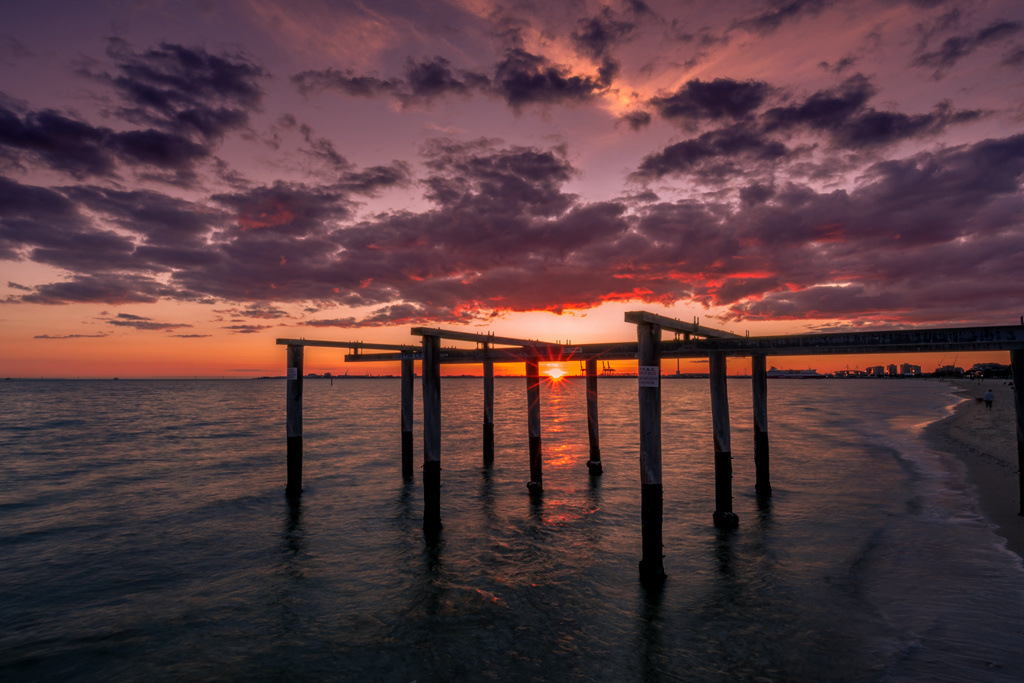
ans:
(690, 340)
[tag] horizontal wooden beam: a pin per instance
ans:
(1004, 338)
(347, 345)
(666, 323)
(474, 337)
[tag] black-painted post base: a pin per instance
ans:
(763, 483)
(724, 517)
(407, 455)
(536, 484)
(652, 567)
(432, 495)
(488, 443)
(294, 466)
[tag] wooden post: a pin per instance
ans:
(1017, 370)
(488, 412)
(408, 383)
(724, 517)
(431, 433)
(594, 464)
(762, 485)
(536, 484)
(293, 413)
(652, 568)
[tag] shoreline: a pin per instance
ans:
(985, 441)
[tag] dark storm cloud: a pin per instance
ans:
(825, 109)
(108, 288)
(924, 237)
(435, 78)
(698, 100)
(375, 178)
(63, 144)
(187, 91)
(781, 12)
(714, 155)
(45, 227)
(841, 114)
(83, 151)
(955, 48)
(285, 208)
(636, 119)
(314, 82)
(162, 220)
(596, 36)
(323, 149)
(510, 181)
(523, 78)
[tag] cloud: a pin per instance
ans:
(247, 329)
(71, 336)
(523, 78)
(314, 82)
(785, 11)
(722, 98)
(187, 91)
(959, 47)
(143, 323)
(714, 155)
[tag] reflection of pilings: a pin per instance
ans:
(1017, 368)
(293, 417)
(724, 517)
(431, 433)
(652, 568)
(594, 464)
(408, 381)
(763, 485)
(488, 412)
(536, 484)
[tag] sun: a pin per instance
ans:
(556, 374)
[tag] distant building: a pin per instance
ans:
(876, 371)
(989, 370)
(908, 370)
(891, 370)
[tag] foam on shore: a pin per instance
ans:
(986, 442)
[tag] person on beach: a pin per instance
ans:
(988, 399)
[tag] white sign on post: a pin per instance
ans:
(293, 373)
(649, 376)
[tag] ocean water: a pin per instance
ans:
(145, 535)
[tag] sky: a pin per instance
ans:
(182, 183)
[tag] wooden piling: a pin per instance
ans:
(1017, 370)
(652, 569)
(408, 384)
(431, 433)
(293, 417)
(724, 517)
(488, 412)
(759, 374)
(536, 484)
(594, 464)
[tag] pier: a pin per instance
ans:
(691, 340)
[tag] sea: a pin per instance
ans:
(145, 535)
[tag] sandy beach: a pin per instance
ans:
(986, 442)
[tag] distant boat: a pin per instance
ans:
(795, 374)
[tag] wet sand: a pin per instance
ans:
(986, 442)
